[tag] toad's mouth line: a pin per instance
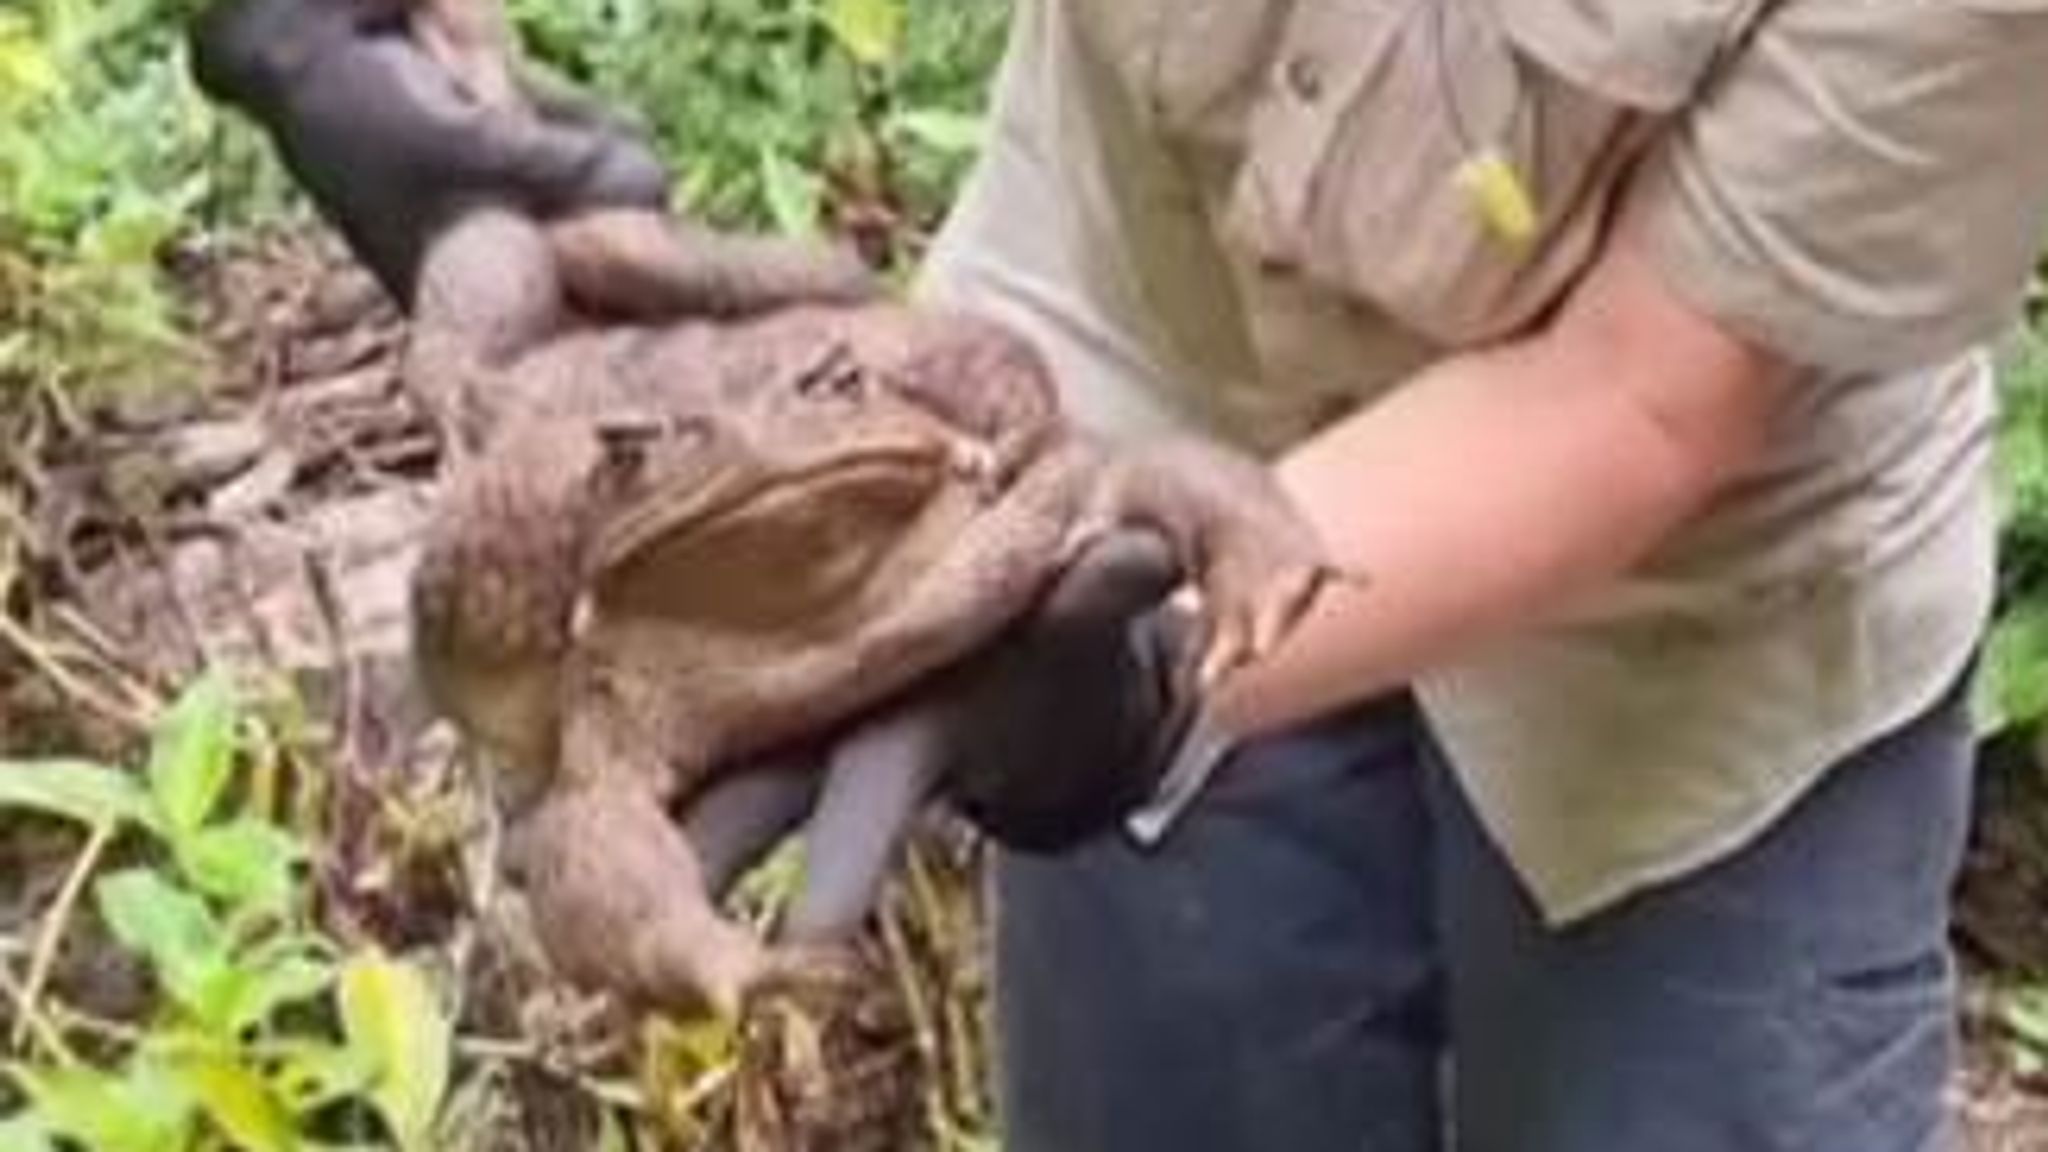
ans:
(703, 505)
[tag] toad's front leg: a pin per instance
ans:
(989, 384)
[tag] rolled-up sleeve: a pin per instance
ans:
(1864, 185)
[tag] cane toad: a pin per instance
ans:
(682, 544)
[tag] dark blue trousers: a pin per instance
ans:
(1329, 954)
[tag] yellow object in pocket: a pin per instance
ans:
(1498, 195)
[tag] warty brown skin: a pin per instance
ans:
(748, 504)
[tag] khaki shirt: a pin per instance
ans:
(1240, 217)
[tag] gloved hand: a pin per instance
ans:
(1056, 732)
(1044, 739)
(383, 140)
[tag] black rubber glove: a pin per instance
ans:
(1054, 733)
(384, 142)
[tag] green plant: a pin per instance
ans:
(2023, 1013)
(2014, 689)
(264, 1035)
(770, 108)
(106, 154)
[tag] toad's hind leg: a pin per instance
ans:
(619, 896)
(619, 902)
(985, 381)
(631, 263)
(1257, 562)
(488, 291)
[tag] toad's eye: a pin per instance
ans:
(627, 441)
(835, 374)
(624, 439)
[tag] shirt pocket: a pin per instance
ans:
(1350, 169)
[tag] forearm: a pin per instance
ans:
(1488, 493)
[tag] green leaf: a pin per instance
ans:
(175, 931)
(21, 1133)
(221, 998)
(137, 1110)
(2025, 1013)
(952, 133)
(391, 1018)
(247, 863)
(791, 192)
(688, 1048)
(2014, 686)
(261, 991)
(131, 235)
(193, 753)
(239, 1103)
(291, 947)
(310, 1075)
(157, 918)
(90, 794)
(869, 30)
(27, 73)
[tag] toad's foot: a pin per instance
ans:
(806, 973)
(991, 465)
(713, 967)
(976, 465)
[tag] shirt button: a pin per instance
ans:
(1304, 78)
